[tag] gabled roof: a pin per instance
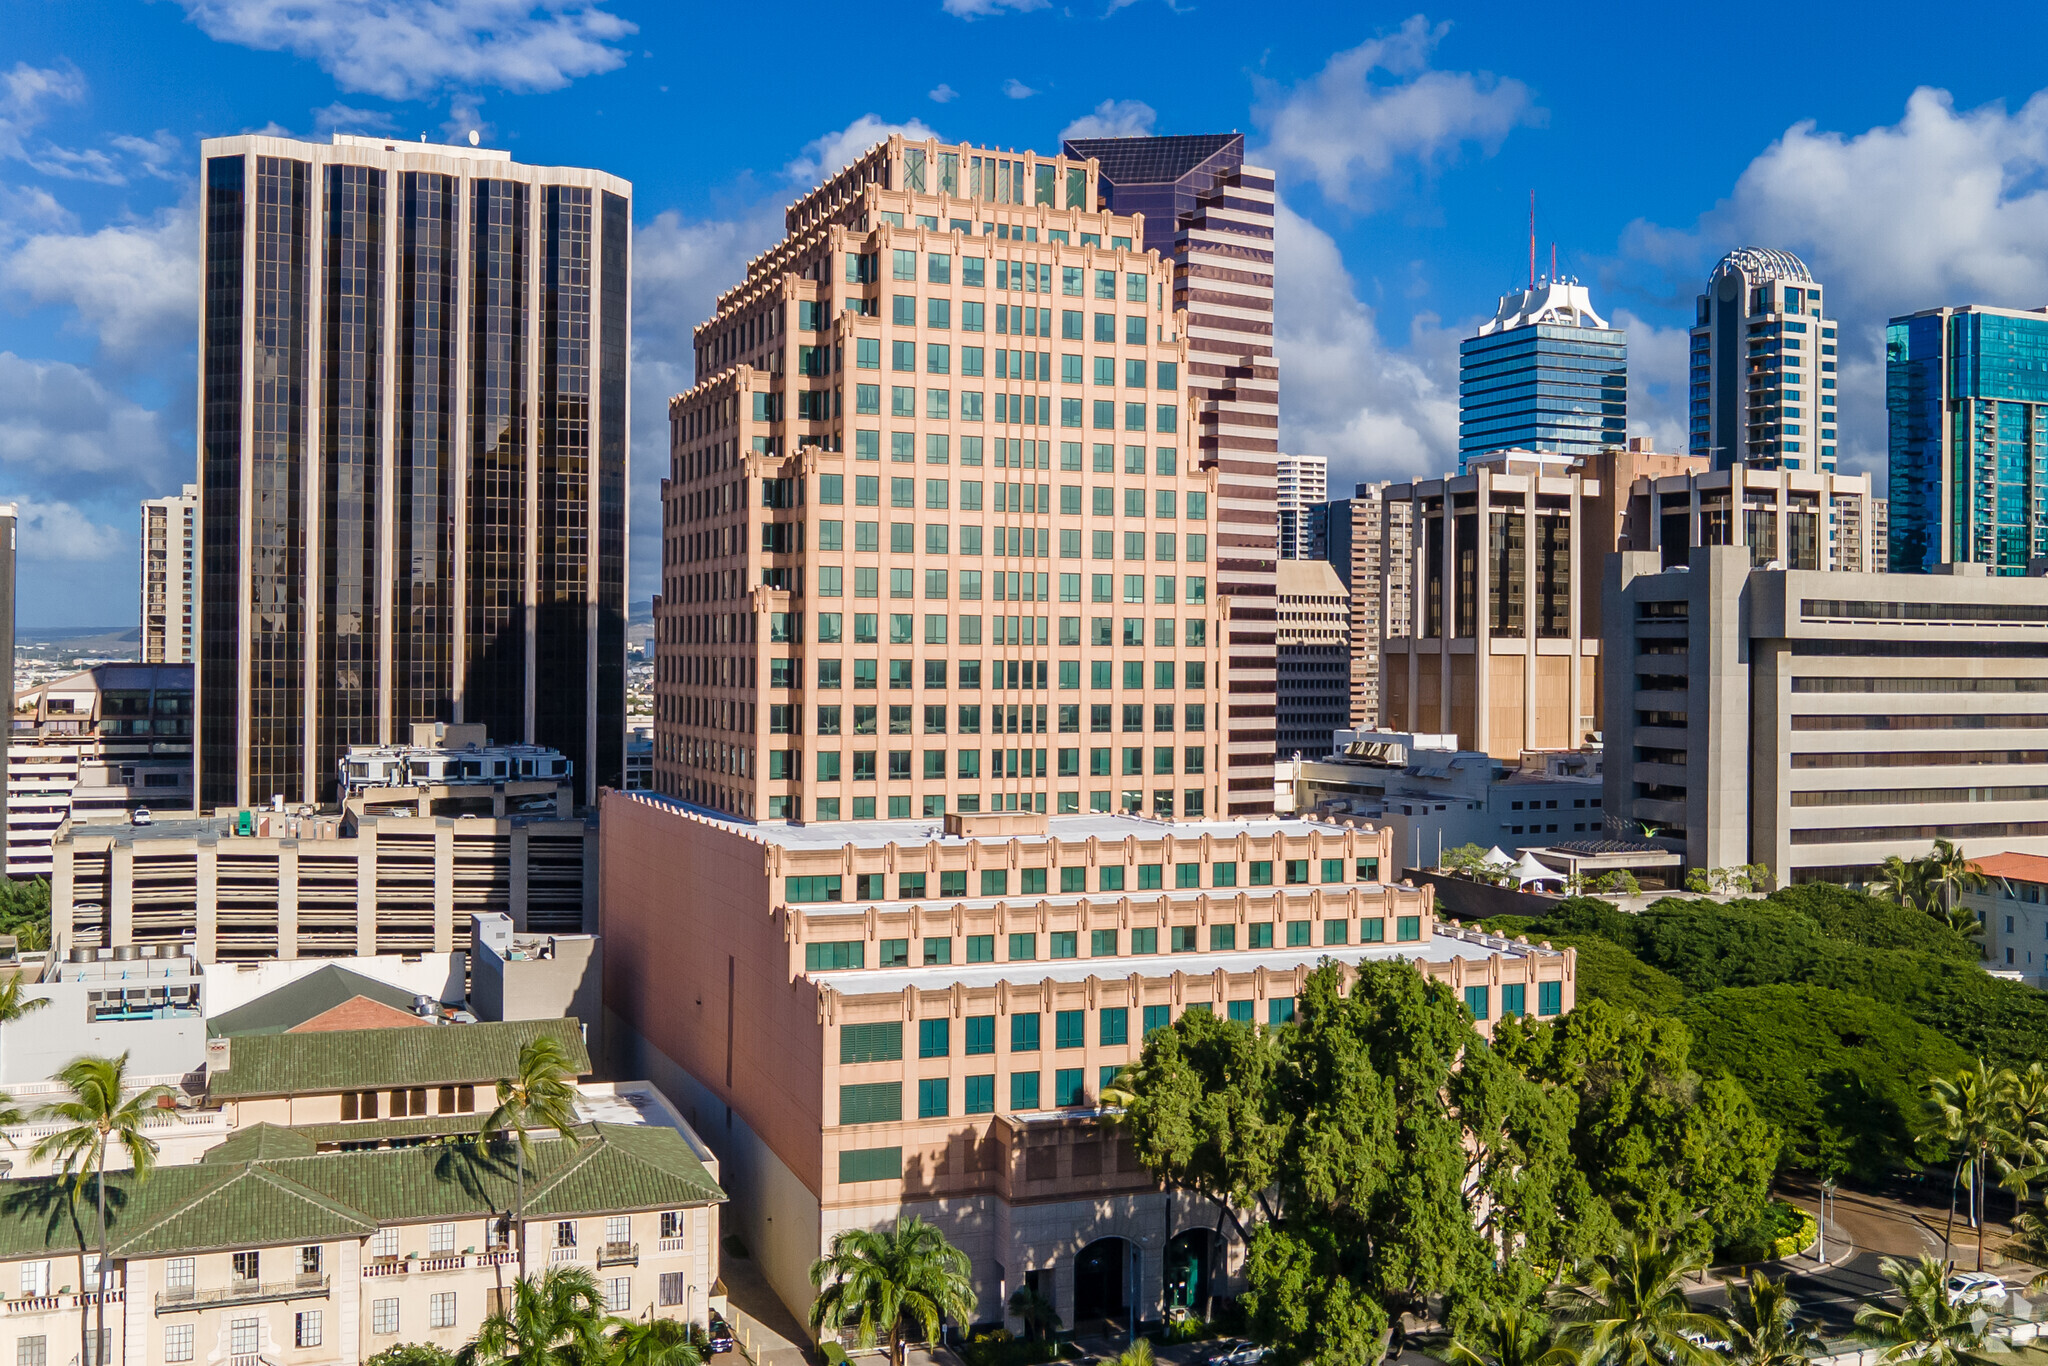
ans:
(381, 1059)
(309, 997)
(259, 1142)
(223, 1202)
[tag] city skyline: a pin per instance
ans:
(1400, 241)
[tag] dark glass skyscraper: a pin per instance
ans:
(1546, 373)
(1966, 394)
(413, 457)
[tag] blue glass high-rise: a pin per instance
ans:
(1966, 396)
(1546, 373)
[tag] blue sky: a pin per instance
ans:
(1906, 159)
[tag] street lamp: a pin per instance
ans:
(1827, 1192)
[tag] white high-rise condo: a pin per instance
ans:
(170, 534)
(1763, 365)
(1304, 485)
(412, 457)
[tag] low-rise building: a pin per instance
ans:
(94, 746)
(2012, 907)
(1793, 518)
(891, 1017)
(427, 836)
(1817, 722)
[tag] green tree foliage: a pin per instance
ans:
(1512, 1335)
(652, 1342)
(554, 1319)
(25, 911)
(1925, 1328)
(1763, 1328)
(412, 1354)
(1631, 1309)
(1839, 1075)
(880, 1281)
(1658, 1142)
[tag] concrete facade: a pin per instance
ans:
(1049, 563)
(1304, 486)
(2012, 911)
(1819, 721)
(1314, 656)
(859, 1046)
(1762, 388)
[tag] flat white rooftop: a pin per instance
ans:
(1066, 829)
(1444, 947)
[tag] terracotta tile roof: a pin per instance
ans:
(2018, 867)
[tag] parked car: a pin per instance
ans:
(139, 816)
(1975, 1287)
(1238, 1354)
(721, 1335)
(1699, 1339)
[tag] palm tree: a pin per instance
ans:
(1511, 1337)
(1949, 874)
(1632, 1310)
(1970, 1110)
(1763, 1327)
(1926, 1328)
(1138, 1353)
(1041, 1317)
(14, 1005)
(96, 1114)
(656, 1342)
(878, 1279)
(542, 1095)
(554, 1319)
(1900, 882)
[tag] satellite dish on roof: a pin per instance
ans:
(474, 137)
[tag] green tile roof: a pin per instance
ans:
(223, 1203)
(311, 996)
(260, 1142)
(387, 1130)
(379, 1059)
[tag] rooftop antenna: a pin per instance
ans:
(1532, 241)
(1553, 262)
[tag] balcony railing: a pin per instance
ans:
(562, 1254)
(242, 1292)
(619, 1254)
(497, 1258)
(35, 1304)
(675, 1245)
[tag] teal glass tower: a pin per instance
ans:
(1546, 373)
(1966, 398)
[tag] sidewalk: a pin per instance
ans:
(766, 1331)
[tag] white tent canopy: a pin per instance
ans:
(1495, 858)
(1528, 870)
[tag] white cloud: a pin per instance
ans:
(943, 93)
(1945, 206)
(1659, 359)
(405, 50)
(26, 92)
(64, 434)
(834, 152)
(134, 285)
(342, 118)
(1377, 411)
(157, 156)
(60, 531)
(1346, 131)
(1017, 90)
(465, 115)
(982, 9)
(1114, 119)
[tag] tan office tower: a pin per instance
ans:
(1212, 216)
(936, 537)
(170, 530)
(413, 365)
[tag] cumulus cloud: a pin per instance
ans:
(342, 118)
(1964, 196)
(982, 9)
(59, 531)
(1017, 90)
(407, 49)
(64, 434)
(26, 93)
(466, 115)
(133, 285)
(1659, 361)
(1377, 410)
(943, 94)
(1114, 119)
(1348, 127)
(834, 152)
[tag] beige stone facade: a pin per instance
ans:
(935, 539)
(899, 1017)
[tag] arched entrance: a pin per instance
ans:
(1101, 1298)
(1187, 1272)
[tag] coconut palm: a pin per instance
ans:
(1138, 1353)
(542, 1095)
(1900, 882)
(1041, 1317)
(1511, 1337)
(1763, 1327)
(1971, 1111)
(98, 1115)
(554, 1319)
(13, 1004)
(882, 1280)
(1926, 1328)
(655, 1342)
(1949, 874)
(1632, 1309)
